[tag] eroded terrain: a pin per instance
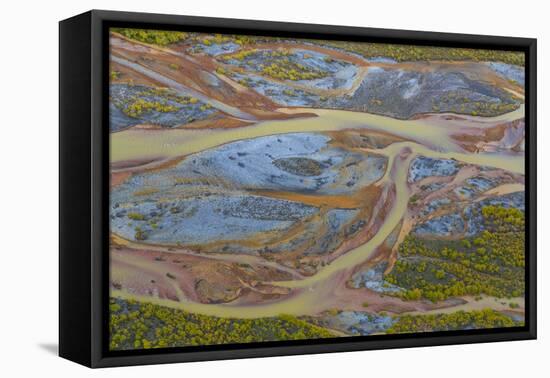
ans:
(300, 189)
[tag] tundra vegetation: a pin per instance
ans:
(475, 319)
(400, 53)
(455, 103)
(139, 325)
(278, 64)
(155, 37)
(404, 53)
(140, 103)
(490, 263)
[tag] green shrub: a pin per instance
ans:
(139, 325)
(136, 216)
(490, 263)
(476, 319)
(154, 37)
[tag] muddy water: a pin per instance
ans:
(314, 294)
(505, 189)
(436, 135)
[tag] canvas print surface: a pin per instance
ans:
(268, 189)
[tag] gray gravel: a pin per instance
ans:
(423, 167)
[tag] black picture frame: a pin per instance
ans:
(84, 188)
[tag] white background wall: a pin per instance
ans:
(29, 187)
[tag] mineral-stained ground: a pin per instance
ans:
(265, 189)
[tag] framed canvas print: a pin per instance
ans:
(234, 188)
